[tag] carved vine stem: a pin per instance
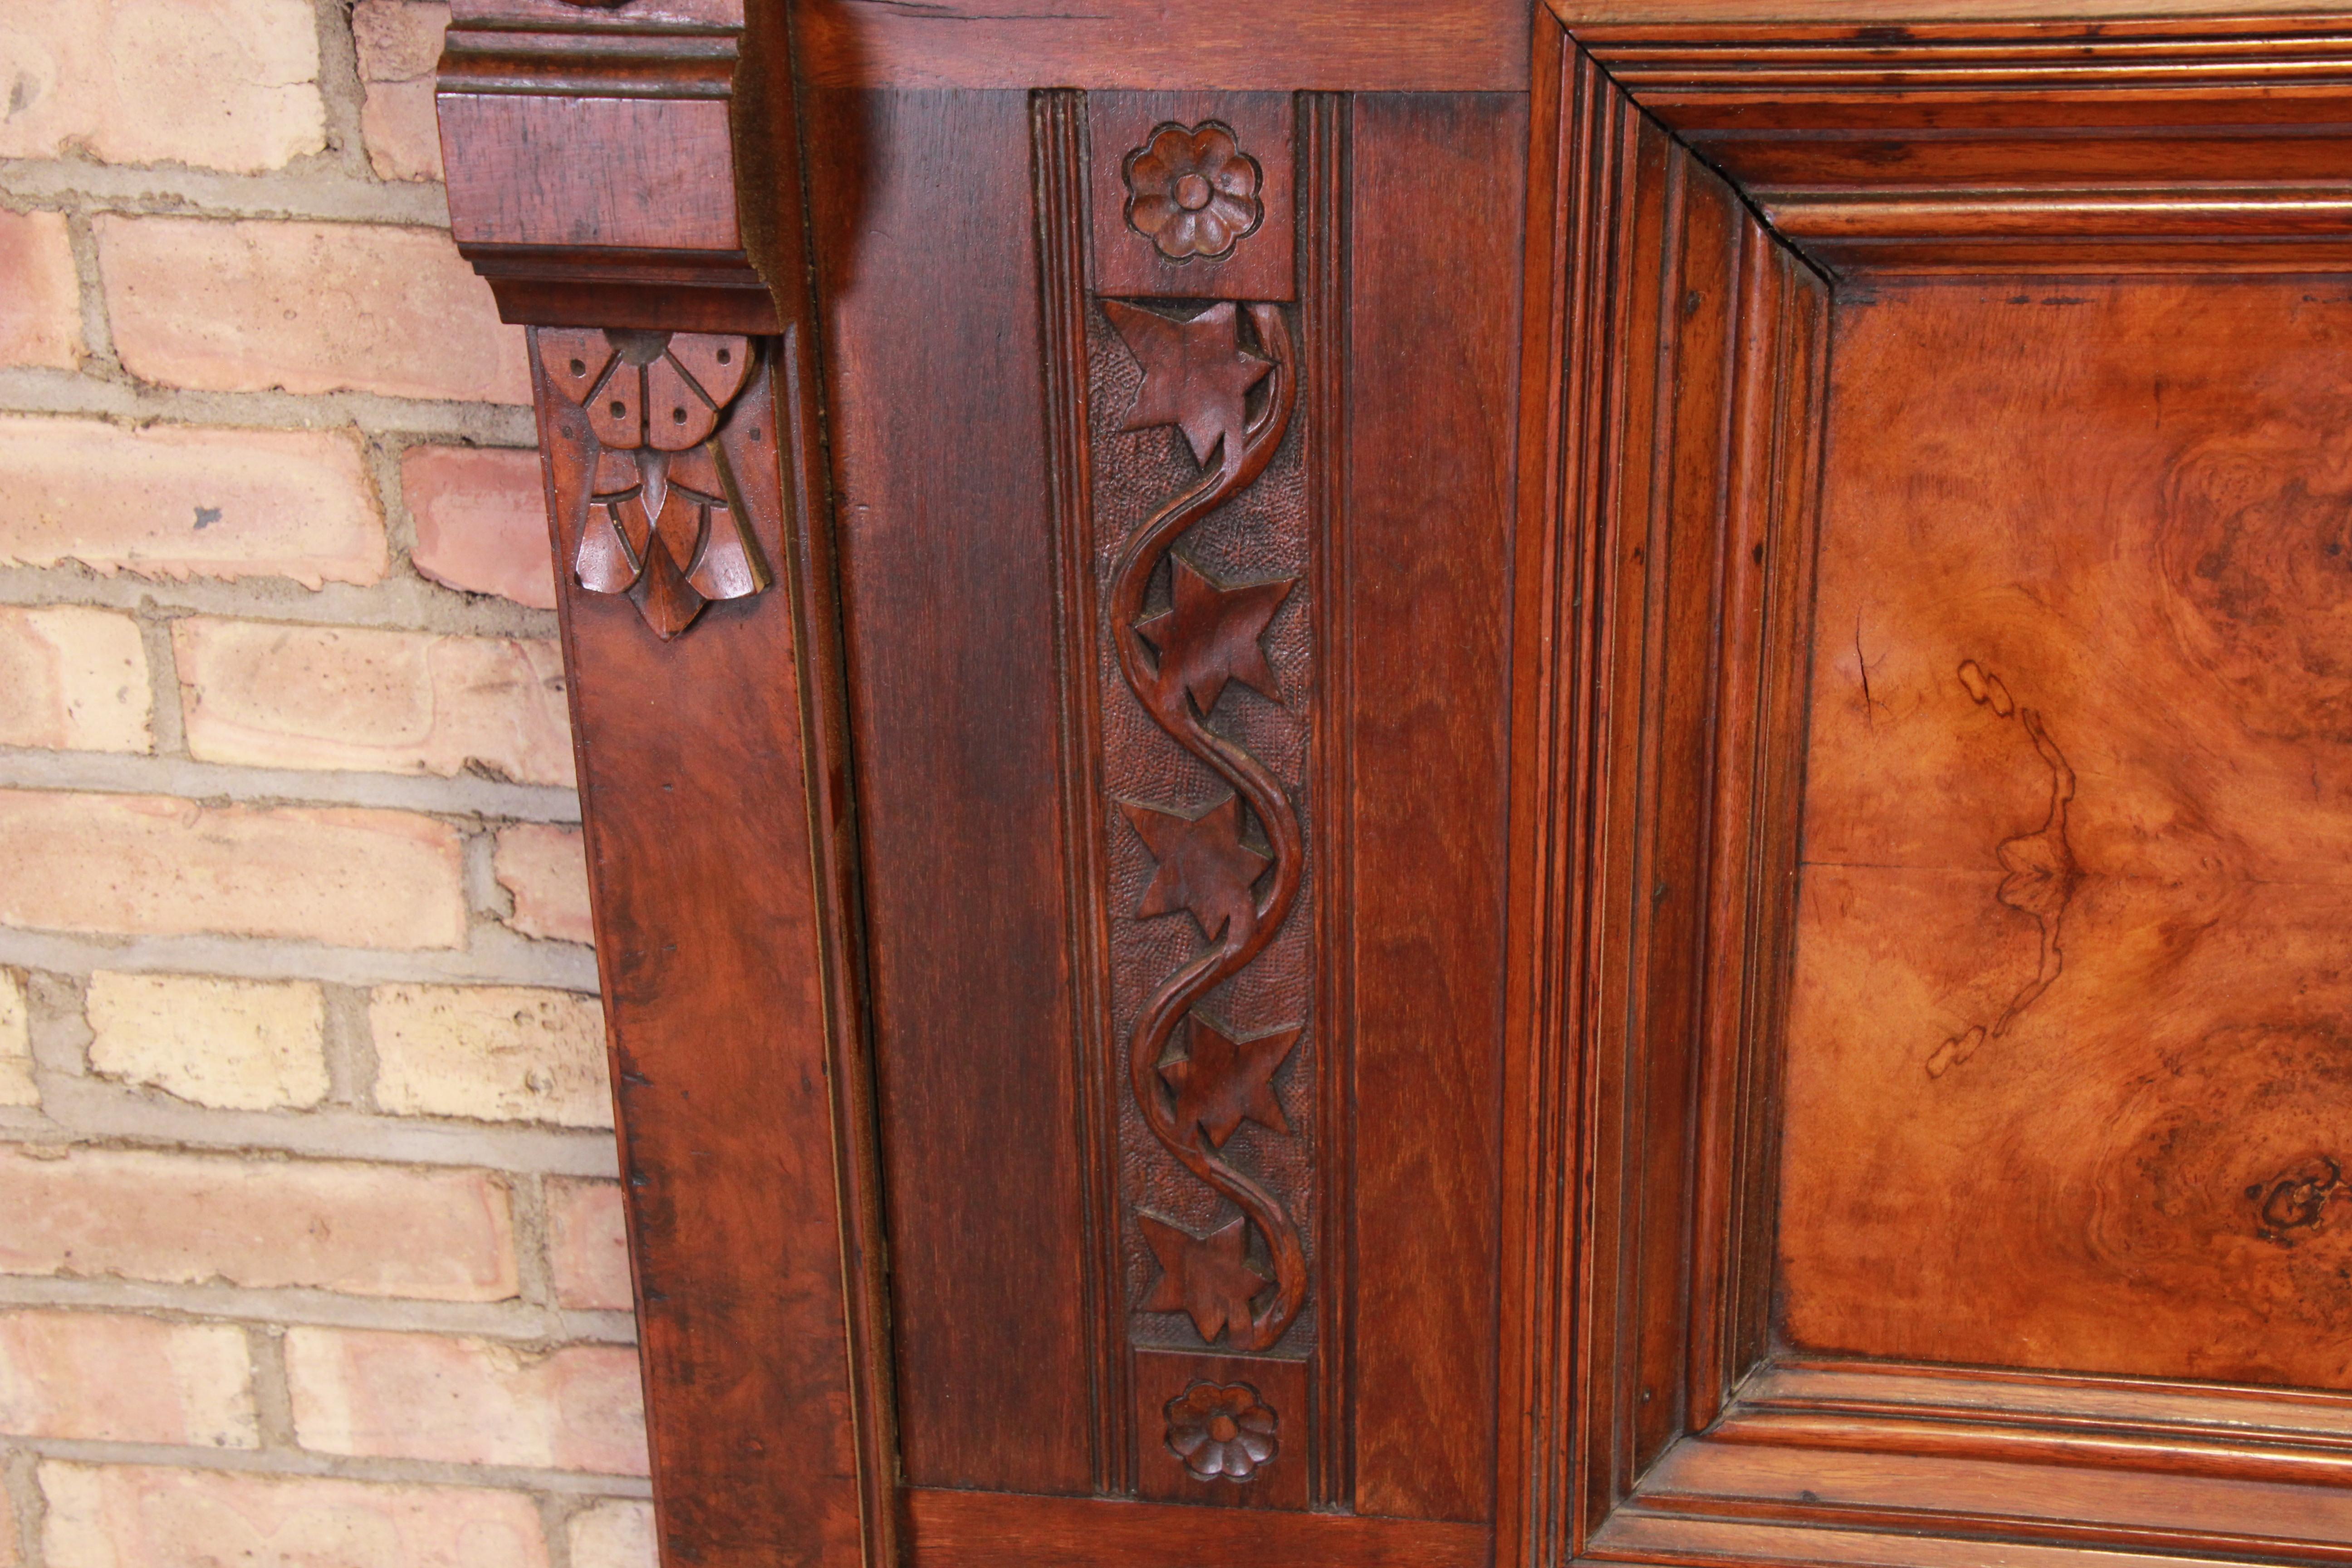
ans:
(1245, 935)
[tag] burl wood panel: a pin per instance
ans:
(938, 447)
(2069, 1081)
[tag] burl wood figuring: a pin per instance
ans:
(1432, 784)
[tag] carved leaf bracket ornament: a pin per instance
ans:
(666, 523)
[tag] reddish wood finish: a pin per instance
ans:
(2121, 1223)
(714, 1233)
(645, 231)
(948, 611)
(1371, 800)
(2102, 934)
(985, 1529)
(1426, 521)
(1432, 45)
(1127, 263)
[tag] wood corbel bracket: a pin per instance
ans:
(594, 169)
(597, 151)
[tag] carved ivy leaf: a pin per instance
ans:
(1205, 1276)
(1213, 633)
(1204, 866)
(1196, 374)
(1221, 1079)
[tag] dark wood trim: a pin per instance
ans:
(1324, 123)
(998, 1530)
(2179, 142)
(1058, 154)
(1323, 46)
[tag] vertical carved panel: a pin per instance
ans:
(1188, 639)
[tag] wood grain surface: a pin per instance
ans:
(1427, 513)
(1521, 614)
(946, 609)
(735, 1225)
(979, 1530)
(2068, 1085)
(1459, 45)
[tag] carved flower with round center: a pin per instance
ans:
(1221, 1432)
(1191, 191)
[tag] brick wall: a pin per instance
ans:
(310, 1247)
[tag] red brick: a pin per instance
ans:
(399, 44)
(73, 678)
(40, 311)
(218, 84)
(401, 130)
(108, 1377)
(546, 869)
(252, 304)
(615, 1533)
(182, 1218)
(136, 865)
(169, 501)
(123, 1516)
(588, 1243)
(481, 521)
(266, 694)
(463, 1400)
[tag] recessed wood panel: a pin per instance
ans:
(946, 599)
(1427, 514)
(2069, 1084)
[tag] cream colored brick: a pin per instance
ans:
(41, 309)
(73, 678)
(16, 1086)
(109, 1377)
(465, 1401)
(492, 1053)
(247, 305)
(218, 84)
(130, 865)
(178, 1218)
(123, 1516)
(399, 42)
(171, 501)
(240, 1045)
(277, 696)
(617, 1532)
